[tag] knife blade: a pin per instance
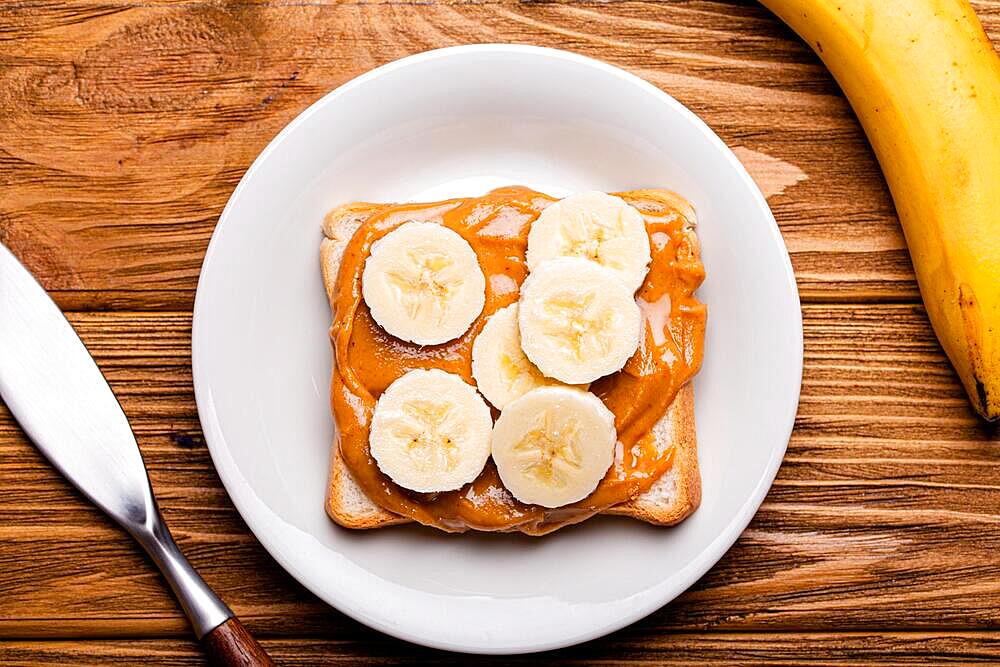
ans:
(55, 390)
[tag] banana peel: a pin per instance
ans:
(924, 80)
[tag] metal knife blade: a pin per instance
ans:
(57, 393)
(55, 390)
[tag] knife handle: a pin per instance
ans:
(231, 644)
(222, 636)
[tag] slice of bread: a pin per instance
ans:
(670, 499)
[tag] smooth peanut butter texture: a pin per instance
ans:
(367, 359)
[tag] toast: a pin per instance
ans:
(671, 499)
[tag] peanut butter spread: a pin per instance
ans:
(367, 359)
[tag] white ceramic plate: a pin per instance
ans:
(460, 121)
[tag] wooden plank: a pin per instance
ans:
(624, 648)
(884, 513)
(125, 126)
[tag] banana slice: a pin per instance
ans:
(430, 431)
(553, 445)
(499, 365)
(578, 322)
(594, 226)
(422, 283)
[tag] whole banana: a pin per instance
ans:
(924, 80)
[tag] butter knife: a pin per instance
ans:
(54, 389)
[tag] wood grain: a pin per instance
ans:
(124, 127)
(884, 513)
(812, 649)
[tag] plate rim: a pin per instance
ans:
(232, 480)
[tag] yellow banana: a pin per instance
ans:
(924, 81)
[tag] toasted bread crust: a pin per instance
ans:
(677, 494)
(348, 505)
(670, 500)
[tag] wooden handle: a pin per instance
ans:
(231, 644)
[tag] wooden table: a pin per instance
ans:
(125, 125)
